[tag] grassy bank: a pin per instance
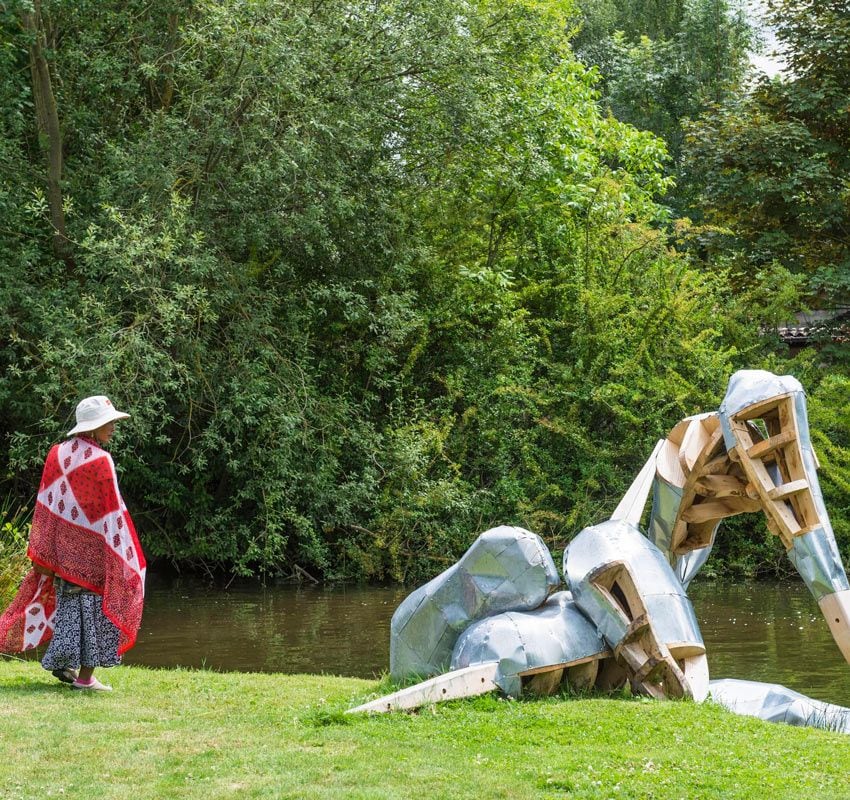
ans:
(180, 734)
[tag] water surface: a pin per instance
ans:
(759, 631)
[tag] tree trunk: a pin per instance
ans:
(49, 132)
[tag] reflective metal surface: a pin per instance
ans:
(506, 569)
(555, 633)
(774, 703)
(667, 605)
(815, 554)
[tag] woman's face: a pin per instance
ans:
(104, 433)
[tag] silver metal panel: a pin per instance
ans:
(553, 634)
(748, 387)
(505, 569)
(672, 614)
(689, 564)
(666, 500)
(815, 556)
(774, 703)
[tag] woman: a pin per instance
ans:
(86, 589)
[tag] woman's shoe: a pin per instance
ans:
(94, 686)
(66, 674)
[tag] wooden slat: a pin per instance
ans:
(717, 465)
(576, 662)
(783, 519)
(720, 486)
(788, 489)
(760, 409)
(720, 509)
(767, 446)
(694, 442)
(465, 682)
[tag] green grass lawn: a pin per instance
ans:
(184, 734)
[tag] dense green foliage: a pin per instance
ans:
(14, 531)
(666, 61)
(370, 278)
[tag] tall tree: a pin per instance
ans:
(665, 63)
(42, 36)
(774, 165)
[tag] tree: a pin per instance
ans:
(370, 276)
(665, 63)
(774, 165)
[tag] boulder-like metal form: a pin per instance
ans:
(626, 587)
(506, 569)
(554, 637)
(774, 703)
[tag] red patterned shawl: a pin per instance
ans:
(82, 531)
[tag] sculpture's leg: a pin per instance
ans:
(516, 652)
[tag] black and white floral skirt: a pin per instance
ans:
(82, 635)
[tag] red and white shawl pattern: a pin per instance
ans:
(82, 531)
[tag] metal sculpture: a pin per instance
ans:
(495, 620)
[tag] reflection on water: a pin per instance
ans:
(766, 632)
(339, 631)
(771, 632)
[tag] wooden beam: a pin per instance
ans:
(720, 509)
(768, 446)
(787, 490)
(466, 682)
(761, 409)
(720, 486)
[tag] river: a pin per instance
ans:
(760, 631)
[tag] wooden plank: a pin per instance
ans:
(576, 662)
(583, 677)
(466, 682)
(787, 490)
(694, 442)
(720, 486)
(717, 466)
(667, 464)
(761, 409)
(697, 536)
(836, 611)
(720, 509)
(696, 674)
(785, 524)
(768, 446)
(794, 468)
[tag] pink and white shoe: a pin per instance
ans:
(94, 685)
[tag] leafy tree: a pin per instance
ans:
(774, 165)
(663, 63)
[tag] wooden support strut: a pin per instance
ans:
(789, 505)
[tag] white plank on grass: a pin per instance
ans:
(466, 682)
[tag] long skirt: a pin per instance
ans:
(82, 635)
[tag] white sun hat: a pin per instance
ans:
(92, 412)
